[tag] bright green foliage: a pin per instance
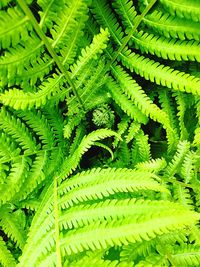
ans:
(99, 133)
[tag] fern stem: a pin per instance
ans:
(50, 49)
(128, 37)
(57, 233)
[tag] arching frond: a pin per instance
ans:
(6, 258)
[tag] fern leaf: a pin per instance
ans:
(49, 11)
(69, 51)
(95, 182)
(18, 99)
(35, 175)
(182, 149)
(174, 27)
(106, 18)
(14, 27)
(40, 125)
(189, 166)
(119, 231)
(71, 163)
(107, 234)
(96, 175)
(126, 11)
(6, 258)
(71, 124)
(8, 149)
(15, 179)
(143, 146)
(184, 9)
(12, 227)
(135, 92)
(109, 210)
(167, 48)
(122, 128)
(181, 107)
(69, 15)
(17, 59)
(154, 165)
(105, 188)
(183, 196)
(55, 120)
(132, 131)
(187, 255)
(161, 74)
(126, 105)
(167, 104)
(97, 46)
(80, 133)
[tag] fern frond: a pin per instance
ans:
(188, 167)
(126, 105)
(144, 103)
(70, 50)
(71, 163)
(14, 27)
(143, 146)
(92, 87)
(122, 155)
(15, 128)
(182, 149)
(167, 104)
(79, 134)
(132, 131)
(6, 258)
(68, 16)
(40, 125)
(161, 74)
(126, 11)
(15, 179)
(181, 107)
(184, 9)
(187, 255)
(183, 196)
(35, 175)
(105, 17)
(167, 48)
(8, 149)
(107, 234)
(122, 127)
(111, 174)
(105, 188)
(96, 47)
(34, 73)
(18, 99)
(12, 227)
(154, 165)
(48, 13)
(71, 124)
(170, 26)
(16, 60)
(55, 120)
(109, 210)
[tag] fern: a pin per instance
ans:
(6, 257)
(99, 133)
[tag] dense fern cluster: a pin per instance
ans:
(99, 133)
